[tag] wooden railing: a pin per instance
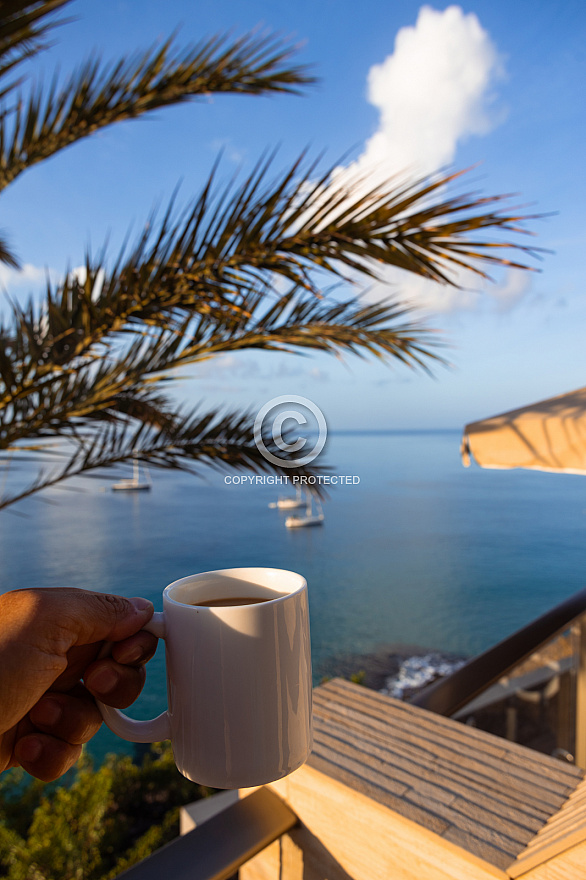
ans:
(216, 849)
(450, 694)
(390, 791)
(393, 792)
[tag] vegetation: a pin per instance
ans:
(244, 266)
(97, 826)
(358, 677)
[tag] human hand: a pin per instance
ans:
(49, 641)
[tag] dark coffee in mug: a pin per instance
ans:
(236, 600)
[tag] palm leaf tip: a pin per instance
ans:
(7, 255)
(24, 25)
(99, 95)
(412, 226)
(188, 442)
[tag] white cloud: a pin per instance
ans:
(14, 280)
(80, 272)
(319, 375)
(225, 365)
(21, 285)
(433, 92)
(229, 151)
(512, 290)
(474, 294)
(423, 294)
(244, 365)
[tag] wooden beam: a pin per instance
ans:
(217, 849)
(581, 696)
(568, 865)
(346, 835)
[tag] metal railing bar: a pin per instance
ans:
(448, 695)
(216, 849)
(580, 747)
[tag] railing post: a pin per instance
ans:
(580, 749)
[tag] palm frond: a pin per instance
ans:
(295, 321)
(235, 241)
(40, 402)
(205, 283)
(82, 376)
(7, 255)
(24, 24)
(187, 442)
(97, 96)
(237, 237)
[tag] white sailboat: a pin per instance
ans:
(287, 502)
(134, 483)
(310, 519)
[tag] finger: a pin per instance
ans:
(40, 626)
(78, 659)
(45, 757)
(71, 617)
(74, 719)
(136, 650)
(113, 683)
(133, 651)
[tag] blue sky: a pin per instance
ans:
(495, 83)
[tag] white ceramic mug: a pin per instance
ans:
(238, 678)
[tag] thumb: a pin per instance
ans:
(40, 626)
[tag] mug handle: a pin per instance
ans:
(153, 730)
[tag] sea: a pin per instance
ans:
(415, 549)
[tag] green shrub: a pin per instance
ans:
(358, 677)
(97, 824)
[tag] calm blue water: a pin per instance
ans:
(422, 551)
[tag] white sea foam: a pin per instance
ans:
(417, 671)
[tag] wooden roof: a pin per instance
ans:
(484, 794)
(563, 831)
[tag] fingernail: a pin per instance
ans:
(103, 681)
(133, 655)
(29, 750)
(47, 712)
(141, 604)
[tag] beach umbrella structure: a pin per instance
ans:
(546, 436)
(549, 435)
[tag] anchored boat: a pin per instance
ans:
(134, 483)
(285, 502)
(310, 518)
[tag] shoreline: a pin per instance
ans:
(384, 663)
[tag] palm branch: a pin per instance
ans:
(41, 402)
(98, 95)
(204, 284)
(24, 25)
(188, 442)
(244, 266)
(221, 259)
